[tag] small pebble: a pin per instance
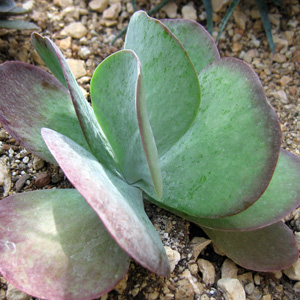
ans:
(42, 180)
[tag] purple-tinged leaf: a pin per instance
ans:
(54, 246)
(171, 85)
(94, 135)
(119, 205)
(280, 198)
(226, 160)
(267, 249)
(119, 105)
(197, 42)
(30, 99)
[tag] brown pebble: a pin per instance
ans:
(21, 181)
(296, 56)
(42, 180)
(6, 147)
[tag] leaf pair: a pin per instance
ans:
(217, 172)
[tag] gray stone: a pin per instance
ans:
(75, 30)
(112, 12)
(84, 52)
(229, 269)
(198, 244)
(249, 288)
(184, 290)
(38, 163)
(3, 135)
(98, 5)
(208, 271)
(173, 256)
(232, 288)
(77, 67)
(240, 19)
(171, 10)
(219, 4)
(21, 182)
(189, 12)
(293, 272)
(5, 177)
(15, 294)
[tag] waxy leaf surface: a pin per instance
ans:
(56, 62)
(280, 198)
(197, 42)
(120, 107)
(119, 206)
(171, 84)
(54, 246)
(268, 249)
(226, 160)
(30, 99)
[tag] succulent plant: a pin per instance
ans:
(170, 121)
(8, 8)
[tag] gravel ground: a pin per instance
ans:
(195, 275)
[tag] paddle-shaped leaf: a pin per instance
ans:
(118, 101)
(267, 249)
(280, 198)
(226, 159)
(54, 246)
(119, 206)
(56, 62)
(197, 42)
(171, 83)
(30, 99)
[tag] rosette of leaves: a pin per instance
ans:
(171, 121)
(8, 8)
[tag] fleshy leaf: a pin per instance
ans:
(18, 24)
(197, 42)
(119, 206)
(209, 15)
(120, 107)
(267, 249)
(263, 10)
(31, 99)
(280, 198)
(170, 84)
(226, 160)
(54, 246)
(56, 62)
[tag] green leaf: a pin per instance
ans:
(268, 249)
(94, 135)
(30, 99)
(54, 246)
(171, 83)
(228, 14)
(119, 205)
(18, 24)
(281, 198)
(119, 105)
(7, 5)
(209, 15)
(226, 160)
(263, 9)
(197, 42)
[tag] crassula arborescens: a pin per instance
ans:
(170, 121)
